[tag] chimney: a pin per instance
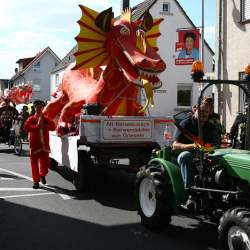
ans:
(16, 70)
(125, 5)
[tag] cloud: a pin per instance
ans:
(28, 26)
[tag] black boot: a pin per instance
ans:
(43, 180)
(36, 185)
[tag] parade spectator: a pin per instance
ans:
(33, 111)
(3, 121)
(185, 146)
(38, 126)
(239, 129)
(9, 114)
(23, 117)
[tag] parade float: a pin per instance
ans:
(101, 117)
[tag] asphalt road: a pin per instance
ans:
(57, 217)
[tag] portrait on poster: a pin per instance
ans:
(187, 47)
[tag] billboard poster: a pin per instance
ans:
(187, 47)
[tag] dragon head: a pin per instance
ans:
(128, 44)
(131, 44)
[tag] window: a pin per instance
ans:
(244, 10)
(57, 79)
(36, 85)
(36, 88)
(165, 9)
(184, 95)
(37, 67)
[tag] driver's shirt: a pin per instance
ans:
(209, 130)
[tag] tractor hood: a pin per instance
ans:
(236, 161)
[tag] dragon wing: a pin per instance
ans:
(91, 40)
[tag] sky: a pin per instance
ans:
(29, 26)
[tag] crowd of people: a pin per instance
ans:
(10, 115)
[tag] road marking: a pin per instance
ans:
(21, 189)
(60, 193)
(6, 179)
(66, 197)
(16, 174)
(63, 195)
(25, 195)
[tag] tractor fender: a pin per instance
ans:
(174, 174)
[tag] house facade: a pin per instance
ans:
(178, 91)
(36, 71)
(232, 54)
(57, 73)
(3, 85)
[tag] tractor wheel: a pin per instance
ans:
(81, 179)
(234, 229)
(155, 197)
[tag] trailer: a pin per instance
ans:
(108, 141)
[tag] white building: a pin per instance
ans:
(233, 36)
(57, 73)
(36, 71)
(178, 91)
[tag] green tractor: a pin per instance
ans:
(221, 189)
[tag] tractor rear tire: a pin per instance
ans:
(234, 229)
(81, 179)
(155, 197)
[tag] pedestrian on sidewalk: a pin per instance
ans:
(39, 125)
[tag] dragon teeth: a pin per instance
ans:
(146, 73)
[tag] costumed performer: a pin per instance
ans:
(39, 125)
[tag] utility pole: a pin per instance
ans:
(202, 31)
(202, 60)
(219, 66)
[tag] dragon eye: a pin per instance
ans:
(125, 31)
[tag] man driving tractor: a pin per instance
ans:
(185, 145)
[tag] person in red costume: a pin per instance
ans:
(38, 126)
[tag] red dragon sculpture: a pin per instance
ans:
(115, 58)
(20, 94)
